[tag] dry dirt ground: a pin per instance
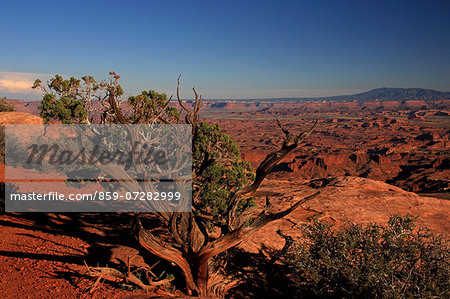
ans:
(43, 255)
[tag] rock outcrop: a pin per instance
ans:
(19, 118)
(343, 200)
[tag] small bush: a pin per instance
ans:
(5, 106)
(395, 261)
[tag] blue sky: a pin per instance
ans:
(229, 49)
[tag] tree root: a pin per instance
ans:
(100, 272)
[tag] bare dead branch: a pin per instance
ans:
(290, 143)
(234, 238)
(111, 88)
(191, 116)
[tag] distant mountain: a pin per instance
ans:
(394, 94)
(380, 94)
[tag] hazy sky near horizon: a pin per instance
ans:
(228, 49)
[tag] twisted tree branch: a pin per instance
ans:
(290, 143)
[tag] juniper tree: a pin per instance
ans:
(223, 210)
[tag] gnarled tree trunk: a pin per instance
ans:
(189, 245)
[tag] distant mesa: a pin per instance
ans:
(374, 95)
(395, 94)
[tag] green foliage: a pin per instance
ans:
(396, 261)
(62, 100)
(220, 171)
(150, 103)
(67, 109)
(5, 106)
(70, 101)
(209, 140)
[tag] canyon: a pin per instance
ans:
(403, 143)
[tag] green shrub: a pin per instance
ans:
(220, 172)
(396, 261)
(5, 106)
